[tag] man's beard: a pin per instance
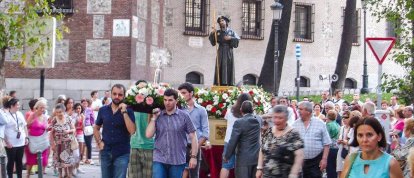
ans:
(116, 101)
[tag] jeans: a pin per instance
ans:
(113, 167)
(88, 143)
(161, 170)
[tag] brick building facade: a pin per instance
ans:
(112, 41)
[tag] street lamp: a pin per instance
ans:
(277, 15)
(364, 88)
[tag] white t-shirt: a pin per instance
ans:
(230, 122)
(16, 122)
(96, 103)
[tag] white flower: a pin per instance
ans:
(228, 100)
(255, 99)
(216, 98)
(129, 92)
(200, 100)
(225, 96)
(209, 107)
(218, 112)
(144, 91)
(215, 103)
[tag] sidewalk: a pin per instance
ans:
(91, 171)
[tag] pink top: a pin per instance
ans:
(79, 125)
(399, 125)
(37, 128)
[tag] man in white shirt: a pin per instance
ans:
(96, 103)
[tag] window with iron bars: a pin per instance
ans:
(62, 6)
(252, 19)
(196, 17)
(304, 22)
(356, 28)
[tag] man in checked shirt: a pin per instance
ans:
(171, 127)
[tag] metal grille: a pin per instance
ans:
(304, 22)
(62, 6)
(194, 78)
(196, 15)
(350, 83)
(249, 79)
(303, 82)
(252, 20)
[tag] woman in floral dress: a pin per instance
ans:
(62, 134)
(281, 153)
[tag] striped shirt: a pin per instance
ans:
(315, 136)
(170, 137)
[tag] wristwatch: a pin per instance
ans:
(123, 112)
(193, 156)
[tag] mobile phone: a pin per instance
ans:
(18, 135)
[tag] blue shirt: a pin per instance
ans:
(315, 136)
(378, 168)
(171, 137)
(199, 118)
(115, 134)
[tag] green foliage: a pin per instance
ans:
(401, 14)
(348, 97)
(17, 22)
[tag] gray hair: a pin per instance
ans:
(330, 104)
(409, 108)
(281, 109)
(369, 107)
(307, 105)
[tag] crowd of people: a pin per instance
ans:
(331, 138)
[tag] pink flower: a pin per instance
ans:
(161, 91)
(149, 100)
(139, 98)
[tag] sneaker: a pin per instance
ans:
(91, 162)
(80, 171)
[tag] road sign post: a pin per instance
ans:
(380, 47)
(298, 51)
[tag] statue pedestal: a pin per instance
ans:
(221, 88)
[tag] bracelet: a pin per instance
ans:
(259, 168)
(153, 119)
(123, 112)
(193, 156)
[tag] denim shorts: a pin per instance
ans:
(230, 164)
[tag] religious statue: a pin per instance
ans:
(227, 40)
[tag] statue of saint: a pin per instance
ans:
(227, 40)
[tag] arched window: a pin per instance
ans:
(303, 82)
(249, 79)
(194, 78)
(350, 83)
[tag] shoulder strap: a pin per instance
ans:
(352, 158)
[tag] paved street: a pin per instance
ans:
(91, 171)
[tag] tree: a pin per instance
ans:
(17, 22)
(401, 15)
(345, 47)
(267, 72)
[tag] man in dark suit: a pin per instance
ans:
(246, 137)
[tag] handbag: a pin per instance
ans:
(344, 151)
(38, 143)
(74, 145)
(88, 130)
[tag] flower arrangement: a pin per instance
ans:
(145, 97)
(218, 103)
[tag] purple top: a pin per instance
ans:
(170, 137)
(89, 117)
